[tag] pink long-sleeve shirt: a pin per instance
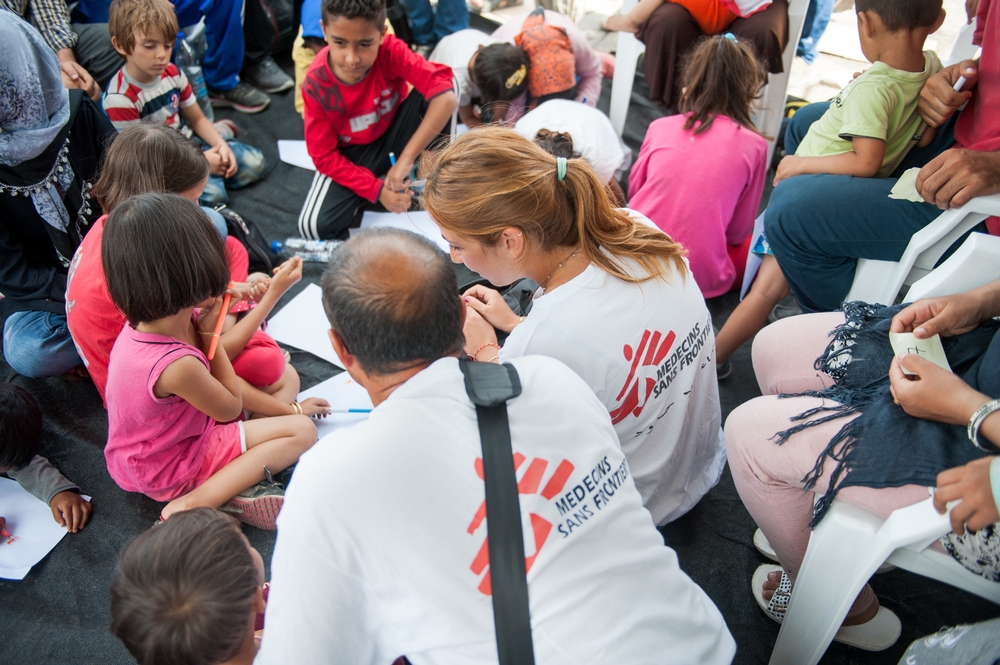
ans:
(703, 190)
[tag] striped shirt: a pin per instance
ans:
(127, 101)
(50, 17)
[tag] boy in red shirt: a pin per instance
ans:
(357, 111)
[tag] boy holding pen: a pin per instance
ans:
(357, 111)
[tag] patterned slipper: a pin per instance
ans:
(878, 634)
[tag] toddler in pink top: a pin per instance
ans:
(699, 175)
(171, 408)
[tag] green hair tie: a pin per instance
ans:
(560, 168)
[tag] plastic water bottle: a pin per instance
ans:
(319, 251)
(188, 63)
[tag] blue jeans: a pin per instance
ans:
(819, 225)
(37, 344)
(429, 26)
(817, 18)
(249, 169)
(224, 34)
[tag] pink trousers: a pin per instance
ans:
(769, 477)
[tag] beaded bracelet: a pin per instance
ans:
(976, 421)
(473, 356)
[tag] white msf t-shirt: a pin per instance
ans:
(648, 351)
(593, 136)
(382, 550)
(456, 50)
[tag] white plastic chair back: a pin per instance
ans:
(975, 263)
(844, 551)
(881, 281)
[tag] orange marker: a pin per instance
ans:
(218, 326)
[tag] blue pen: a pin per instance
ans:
(583, 101)
(335, 410)
(392, 158)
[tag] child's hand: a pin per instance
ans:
(208, 312)
(315, 407)
(70, 510)
(397, 176)
(397, 202)
(285, 276)
(228, 159)
(787, 168)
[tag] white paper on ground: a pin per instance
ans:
(928, 349)
(34, 533)
(342, 393)
(295, 153)
(419, 222)
(302, 323)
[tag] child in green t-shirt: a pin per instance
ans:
(866, 132)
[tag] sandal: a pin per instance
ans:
(876, 635)
(764, 546)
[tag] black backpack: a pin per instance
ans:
(262, 259)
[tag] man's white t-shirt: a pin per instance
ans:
(593, 136)
(648, 351)
(382, 551)
(456, 50)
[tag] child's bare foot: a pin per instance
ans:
(774, 579)
(620, 23)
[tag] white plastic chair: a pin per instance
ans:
(975, 263)
(844, 551)
(881, 281)
(772, 103)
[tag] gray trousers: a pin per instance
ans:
(95, 53)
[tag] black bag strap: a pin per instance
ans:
(489, 387)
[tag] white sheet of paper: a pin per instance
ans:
(905, 188)
(341, 392)
(929, 349)
(29, 522)
(418, 221)
(302, 323)
(753, 261)
(295, 153)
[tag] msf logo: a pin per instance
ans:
(530, 481)
(652, 349)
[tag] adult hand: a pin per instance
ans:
(969, 484)
(946, 316)
(933, 393)
(938, 99)
(477, 333)
(397, 202)
(788, 167)
(957, 176)
(971, 7)
(399, 174)
(315, 407)
(492, 307)
(75, 76)
(70, 510)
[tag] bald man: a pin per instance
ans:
(381, 547)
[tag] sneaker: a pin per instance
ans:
(244, 98)
(266, 75)
(784, 309)
(227, 129)
(258, 505)
(723, 370)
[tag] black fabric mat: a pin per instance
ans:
(59, 613)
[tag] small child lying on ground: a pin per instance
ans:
(20, 436)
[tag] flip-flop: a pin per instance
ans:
(878, 634)
(763, 546)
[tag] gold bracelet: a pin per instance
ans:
(297, 408)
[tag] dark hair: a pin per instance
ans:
(372, 10)
(900, 15)
(497, 73)
(128, 17)
(392, 296)
(148, 157)
(20, 426)
(161, 254)
(721, 76)
(557, 144)
(184, 590)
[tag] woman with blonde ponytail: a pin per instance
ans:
(615, 302)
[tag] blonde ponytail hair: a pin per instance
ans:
(493, 178)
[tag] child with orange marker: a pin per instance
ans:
(20, 439)
(173, 433)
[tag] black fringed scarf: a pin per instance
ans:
(884, 447)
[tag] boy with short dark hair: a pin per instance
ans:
(150, 87)
(20, 438)
(357, 113)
